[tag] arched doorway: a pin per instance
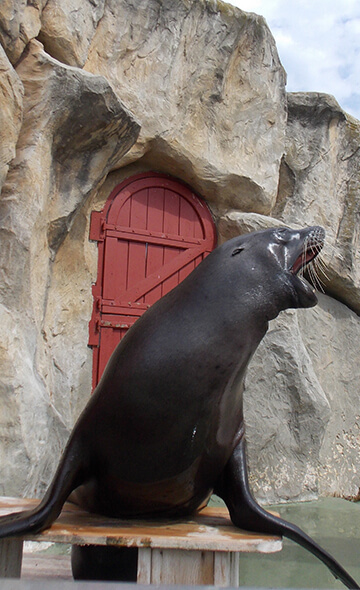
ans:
(152, 232)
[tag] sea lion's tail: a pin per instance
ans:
(69, 475)
(246, 513)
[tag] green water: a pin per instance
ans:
(334, 523)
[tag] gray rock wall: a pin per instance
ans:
(93, 92)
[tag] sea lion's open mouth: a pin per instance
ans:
(304, 259)
(313, 244)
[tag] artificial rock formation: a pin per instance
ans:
(93, 92)
(10, 114)
(74, 129)
(322, 168)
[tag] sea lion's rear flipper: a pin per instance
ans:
(245, 512)
(69, 475)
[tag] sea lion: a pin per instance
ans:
(164, 427)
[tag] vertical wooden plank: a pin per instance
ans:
(155, 252)
(122, 217)
(95, 367)
(154, 262)
(144, 565)
(172, 213)
(155, 209)
(10, 558)
(137, 250)
(121, 264)
(175, 566)
(199, 229)
(108, 269)
(138, 209)
(157, 567)
(222, 569)
(136, 266)
(206, 568)
(115, 267)
(234, 569)
(109, 338)
(171, 227)
(173, 281)
(188, 219)
(226, 569)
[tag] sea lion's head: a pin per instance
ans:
(301, 247)
(277, 258)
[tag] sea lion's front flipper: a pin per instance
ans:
(70, 474)
(245, 512)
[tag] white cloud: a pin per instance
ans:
(319, 45)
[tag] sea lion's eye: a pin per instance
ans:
(282, 234)
(237, 250)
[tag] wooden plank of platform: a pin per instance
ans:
(42, 565)
(201, 549)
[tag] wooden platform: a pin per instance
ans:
(44, 566)
(203, 549)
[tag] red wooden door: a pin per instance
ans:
(152, 232)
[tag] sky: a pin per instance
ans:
(318, 42)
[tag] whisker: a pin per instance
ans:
(315, 270)
(315, 279)
(303, 261)
(311, 275)
(321, 267)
